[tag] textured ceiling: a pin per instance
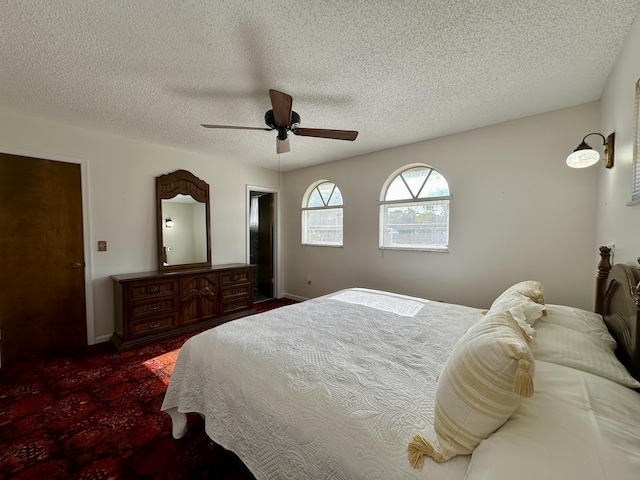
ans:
(397, 71)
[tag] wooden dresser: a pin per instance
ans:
(154, 306)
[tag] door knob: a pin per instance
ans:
(75, 265)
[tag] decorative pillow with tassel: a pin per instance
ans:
(529, 288)
(527, 291)
(481, 384)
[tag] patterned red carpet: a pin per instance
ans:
(96, 415)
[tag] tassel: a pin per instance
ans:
(419, 447)
(522, 382)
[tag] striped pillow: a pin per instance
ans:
(523, 310)
(480, 386)
(529, 288)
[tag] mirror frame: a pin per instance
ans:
(167, 187)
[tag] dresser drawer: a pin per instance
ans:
(140, 328)
(235, 292)
(236, 306)
(234, 277)
(152, 308)
(139, 291)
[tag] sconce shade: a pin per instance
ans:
(168, 223)
(583, 156)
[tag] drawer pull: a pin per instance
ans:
(151, 326)
(235, 291)
(236, 277)
(155, 306)
(154, 289)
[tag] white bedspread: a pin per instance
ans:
(331, 388)
(577, 426)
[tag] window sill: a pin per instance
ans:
(321, 245)
(418, 249)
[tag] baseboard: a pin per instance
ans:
(294, 297)
(101, 339)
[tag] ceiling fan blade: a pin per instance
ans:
(235, 127)
(324, 133)
(281, 104)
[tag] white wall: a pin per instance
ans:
(120, 183)
(517, 212)
(616, 222)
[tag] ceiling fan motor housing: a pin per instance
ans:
(282, 131)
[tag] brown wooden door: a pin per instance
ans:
(42, 297)
(189, 300)
(199, 298)
(209, 301)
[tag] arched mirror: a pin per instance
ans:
(184, 234)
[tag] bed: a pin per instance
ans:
(365, 384)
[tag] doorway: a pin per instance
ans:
(262, 243)
(42, 288)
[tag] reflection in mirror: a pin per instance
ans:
(184, 239)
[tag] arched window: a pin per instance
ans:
(322, 215)
(414, 210)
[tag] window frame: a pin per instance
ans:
(635, 187)
(416, 200)
(306, 209)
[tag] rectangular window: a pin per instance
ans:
(418, 225)
(322, 226)
(635, 193)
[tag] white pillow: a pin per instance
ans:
(482, 382)
(580, 320)
(583, 351)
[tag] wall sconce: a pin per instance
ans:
(585, 156)
(169, 223)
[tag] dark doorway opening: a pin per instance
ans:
(262, 244)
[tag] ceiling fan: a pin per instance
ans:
(283, 119)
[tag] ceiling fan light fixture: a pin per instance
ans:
(282, 146)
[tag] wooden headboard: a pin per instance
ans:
(618, 301)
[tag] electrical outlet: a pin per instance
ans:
(102, 245)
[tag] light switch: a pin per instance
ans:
(102, 245)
